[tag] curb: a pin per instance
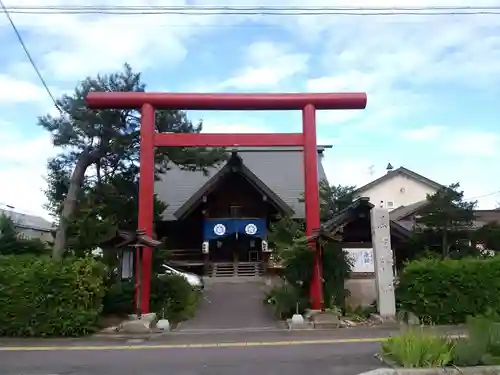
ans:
(477, 370)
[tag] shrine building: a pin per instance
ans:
(218, 221)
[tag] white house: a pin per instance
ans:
(30, 226)
(398, 187)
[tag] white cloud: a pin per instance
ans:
(426, 133)
(460, 142)
(397, 60)
(327, 141)
(351, 171)
(71, 46)
(20, 91)
(269, 64)
(385, 102)
(23, 169)
(233, 128)
(473, 143)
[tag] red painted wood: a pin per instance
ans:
(311, 194)
(146, 197)
(227, 140)
(118, 100)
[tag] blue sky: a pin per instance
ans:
(433, 83)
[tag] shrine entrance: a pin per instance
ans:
(232, 249)
(234, 240)
(148, 103)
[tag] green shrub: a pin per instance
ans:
(11, 243)
(416, 348)
(284, 301)
(298, 270)
(482, 345)
(448, 291)
(287, 237)
(361, 311)
(173, 298)
(40, 297)
(119, 299)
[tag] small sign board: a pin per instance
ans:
(362, 260)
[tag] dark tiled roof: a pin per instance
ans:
(400, 171)
(403, 212)
(347, 213)
(488, 216)
(234, 161)
(280, 169)
(483, 217)
(351, 213)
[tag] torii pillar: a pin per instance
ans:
(149, 102)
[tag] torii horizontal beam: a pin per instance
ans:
(239, 102)
(228, 140)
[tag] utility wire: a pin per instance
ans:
(258, 11)
(483, 195)
(251, 8)
(318, 14)
(28, 55)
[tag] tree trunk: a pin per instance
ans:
(69, 205)
(445, 243)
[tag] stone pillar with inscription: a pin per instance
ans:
(383, 259)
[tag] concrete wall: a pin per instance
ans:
(29, 233)
(400, 190)
(363, 290)
(362, 287)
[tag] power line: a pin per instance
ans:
(28, 54)
(483, 195)
(260, 11)
(250, 8)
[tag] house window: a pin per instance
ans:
(235, 211)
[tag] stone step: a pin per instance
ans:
(236, 269)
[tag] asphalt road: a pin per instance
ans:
(332, 358)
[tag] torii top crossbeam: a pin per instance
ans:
(242, 102)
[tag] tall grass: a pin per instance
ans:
(415, 348)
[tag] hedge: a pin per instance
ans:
(448, 291)
(171, 298)
(41, 297)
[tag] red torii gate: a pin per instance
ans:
(149, 102)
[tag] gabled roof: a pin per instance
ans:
(26, 221)
(210, 185)
(347, 214)
(403, 215)
(488, 216)
(402, 212)
(279, 168)
(403, 172)
(351, 213)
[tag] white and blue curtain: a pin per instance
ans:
(219, 228)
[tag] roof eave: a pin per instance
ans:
(344, 215)
(404, 171)
(188, 206)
